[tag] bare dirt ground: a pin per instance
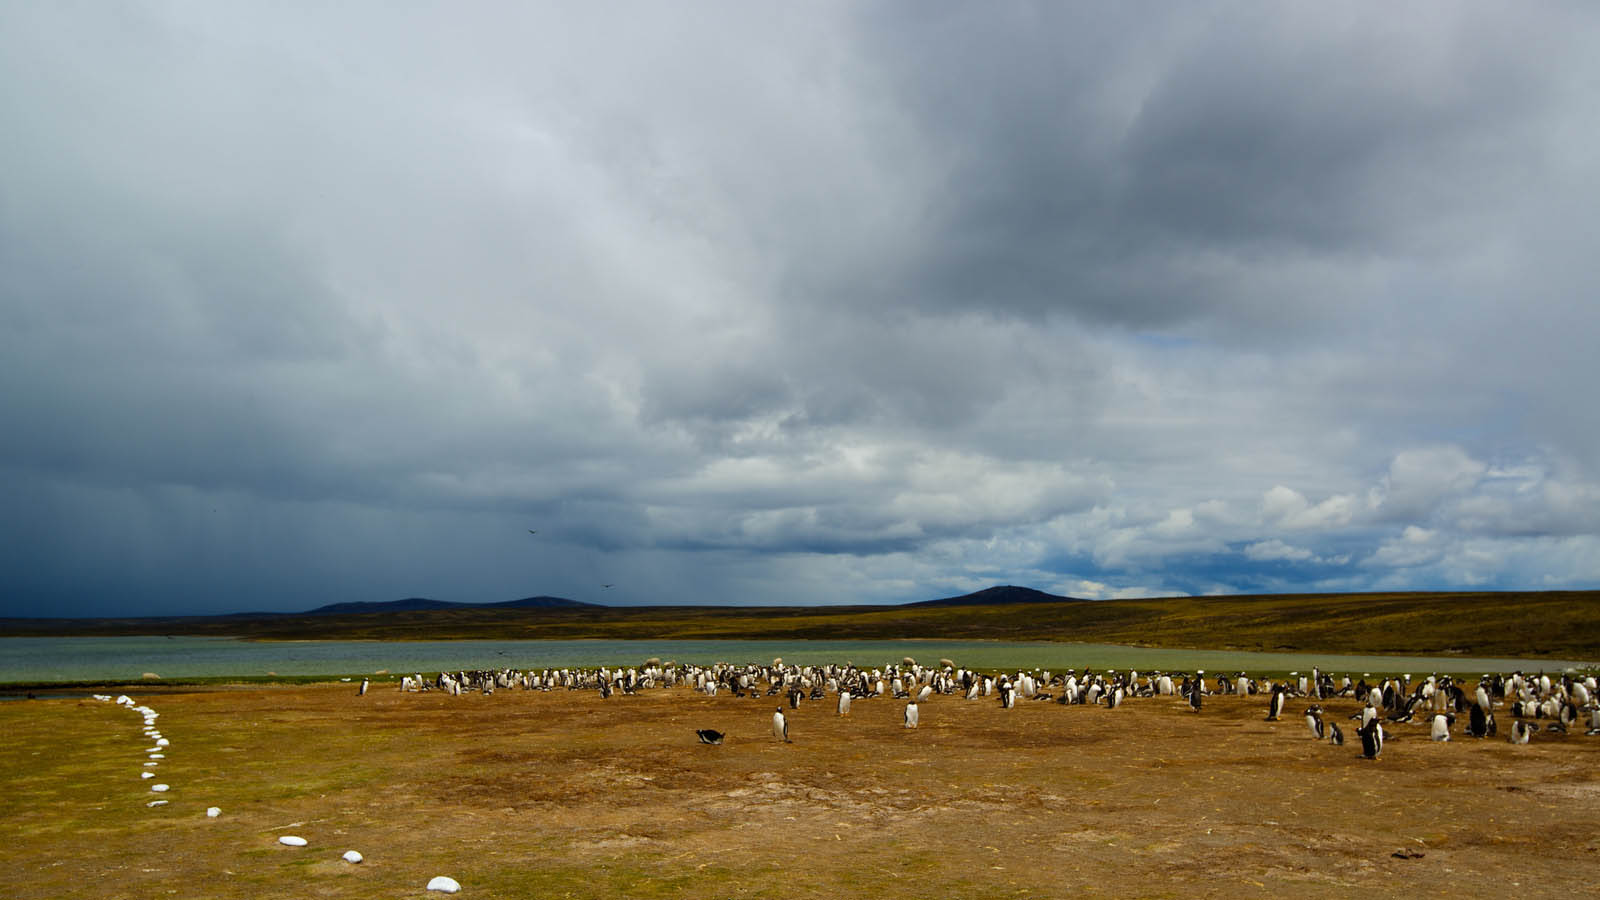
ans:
(557, 795)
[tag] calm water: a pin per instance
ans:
(39, 660)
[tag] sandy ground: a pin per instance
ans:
(526, 794)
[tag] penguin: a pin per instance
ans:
(911, 714)
(780, 726)
(1521, 732)
(1335, 735)
(1440, 729)
(1371, 738)
(363, 691)
(1275, 705)
(1477, 720)
(1314, 721)
(844, 703)
(708, 735)
(1196, 689)
(1567, 715)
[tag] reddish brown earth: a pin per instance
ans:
(565, 795)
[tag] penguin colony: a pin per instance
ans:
(1564, 703)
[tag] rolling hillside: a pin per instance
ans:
(1564, 624)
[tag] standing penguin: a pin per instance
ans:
(911, 714)
(844, 703)
(1275, 705)
(1441, 726)
(363, 691)
(1477, 720)
(1335, 736)
(1196, 689)
(780, 726)
(1314, 721)
(1371, 738)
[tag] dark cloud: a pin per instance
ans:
(839, 304)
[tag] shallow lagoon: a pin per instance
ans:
(87, 659)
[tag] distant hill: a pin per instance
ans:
(415, 604)
(998, 596)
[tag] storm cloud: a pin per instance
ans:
(736, 303)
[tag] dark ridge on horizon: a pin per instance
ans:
(999, 595)
(416, 604)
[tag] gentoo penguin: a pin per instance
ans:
(1371, 738)
(1567, 715)
(1477, 719)
(1594, 719)
(844, 703)
(925, 693)
(911, 714)
(1335, 735)
(363, 691)
(1441, 726)
(1197, 689)
(1275, 705)
(1521, 732)
(1314, 721)
(708, 736)
(780, 726)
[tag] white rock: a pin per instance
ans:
(448, 885)
(213, 811)
(352, 856)
(292, 841)
(160, 788)
(156, 803)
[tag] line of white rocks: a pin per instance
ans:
(158, 752)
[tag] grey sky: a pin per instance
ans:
(774, 304)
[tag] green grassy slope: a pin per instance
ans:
(1562, 624)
